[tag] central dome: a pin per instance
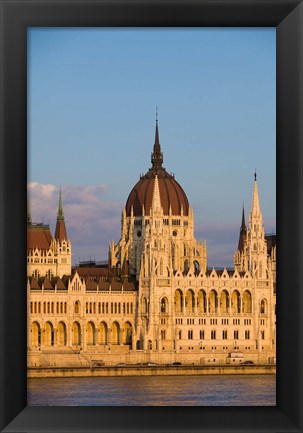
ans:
(172, 195)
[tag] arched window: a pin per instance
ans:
(213, 334)
(178, 301)
(77, 307)
(224, 302)
(35, 334)
(103, 333)
(144, 305)
(76, 334)
(247, 302)
(263, 306)
(202, 304)
(48, 334)
(127, 333)
(186, 267)
(197, 266)
(115, 333)
(62, 337)
(236, 304)
(90, 334)
(190, 302)
(164, 305)
(213, 302)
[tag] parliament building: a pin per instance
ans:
(155, 301)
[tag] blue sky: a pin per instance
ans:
(91, 120)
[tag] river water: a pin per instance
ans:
(229, 390)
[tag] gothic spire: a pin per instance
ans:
(243, 231)
(255, 206)
(60, 233)
(156, 202)
(157, 155)
(60, 214)
(243, 226)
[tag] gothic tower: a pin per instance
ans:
(252, 249)
(157, 241)
(63, 245)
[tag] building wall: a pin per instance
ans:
(180, 311)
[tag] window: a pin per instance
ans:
(213, 334)
(224, 335)
(236, 335)
(190, 334)
(202, 334)
(263, 306)
(247, 335)
(262, 335)
(163, 335)
(163, 305)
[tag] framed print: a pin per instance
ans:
(17, 414)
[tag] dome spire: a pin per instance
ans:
(157, 155)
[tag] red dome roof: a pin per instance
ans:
(171, 193)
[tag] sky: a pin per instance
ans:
(92, 98)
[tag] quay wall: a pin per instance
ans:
(39, 372)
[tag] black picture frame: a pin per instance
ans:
(16, 16)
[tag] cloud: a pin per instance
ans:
(92, 220)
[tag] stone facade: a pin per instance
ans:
(157, 301)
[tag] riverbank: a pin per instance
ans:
(138, 370)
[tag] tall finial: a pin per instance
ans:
(60, 215)
(60, 232)
(157, 155)
(255, 174)
(243, 225)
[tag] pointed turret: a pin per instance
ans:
(156, 203)
(243, 231)
(256, 242)
(60, 233)
(255, 206)
(157, 155)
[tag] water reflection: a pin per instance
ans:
(243, 390)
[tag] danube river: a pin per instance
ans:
(217, 390)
